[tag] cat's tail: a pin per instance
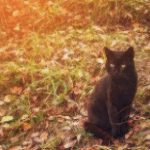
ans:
(98, 132)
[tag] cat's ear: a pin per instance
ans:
(130, 52)
(108, 52)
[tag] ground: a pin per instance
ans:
(46, 79)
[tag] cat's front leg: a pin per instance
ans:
(114, 119)
(124, 129)
(113, 115)
(124, 117)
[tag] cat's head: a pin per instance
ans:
(119, 63)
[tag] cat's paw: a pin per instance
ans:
(124, 129)
(116, 132)
(120, 131)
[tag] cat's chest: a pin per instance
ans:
(123, 94)
(121, 88)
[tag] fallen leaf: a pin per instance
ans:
(2, 112)
(44, 136)
(26, 126)
(1, 147)
(17, 27)
(33, 135)
(1, 132)
(100, 61)
(70, 144)
(1, 103)
(7, 119)
(15, 13)
(6, 126)
(24, 117)
(37, 140)
(14, 139)
(147, 137)
(8, 98)
(16, 148)
(25, 143)
(16, 90)
(129, 134)
(79, 137)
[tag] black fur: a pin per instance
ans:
(111, 101)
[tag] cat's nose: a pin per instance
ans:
(117, 71)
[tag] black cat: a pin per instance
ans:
(110, 103)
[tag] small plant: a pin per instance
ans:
(51, 144)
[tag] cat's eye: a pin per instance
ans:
(123, 66)
(112, 65)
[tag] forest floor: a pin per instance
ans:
(46, 79)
